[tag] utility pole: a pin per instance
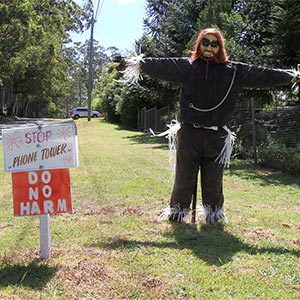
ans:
(90, 83)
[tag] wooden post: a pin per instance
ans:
(45, 236)
(145, 118)
(253, 130)
(155, 119)
(139, 120)
(194, 202)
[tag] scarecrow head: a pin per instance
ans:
(210, 45)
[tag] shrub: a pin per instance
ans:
(277, 155)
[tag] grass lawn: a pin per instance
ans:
(113, 247)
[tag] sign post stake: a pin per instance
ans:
(45, 236)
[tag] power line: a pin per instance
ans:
(98, 10)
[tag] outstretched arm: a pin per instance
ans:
(259, 77)
(170, 69)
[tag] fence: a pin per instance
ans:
(254, 127)
(154, 118)
(280, 125)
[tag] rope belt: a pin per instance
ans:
(199, 126)
(205, 127)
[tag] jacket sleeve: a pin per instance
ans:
(170, 69)
(259, 77)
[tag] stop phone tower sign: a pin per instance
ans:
(40, 147)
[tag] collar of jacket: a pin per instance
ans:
(207, 62)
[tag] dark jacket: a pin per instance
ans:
(205, 85)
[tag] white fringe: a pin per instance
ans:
(170, 134)
(132, 73)
(216, 216)
(168, 211)
(224, 156)
(210, 216)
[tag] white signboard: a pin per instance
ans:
(40, 147)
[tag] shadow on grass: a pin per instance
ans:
(159, 142)
(210, 244)
(263, 176)
(33, 275)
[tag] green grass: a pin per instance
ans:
(112, 247)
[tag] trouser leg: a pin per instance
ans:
(212, 178)
(212, 184)
(184, 186)
(187, 168)
(185, 180)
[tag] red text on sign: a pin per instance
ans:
(37, 136)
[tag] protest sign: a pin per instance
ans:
(38, 158)
(40, 147)
(41, 192)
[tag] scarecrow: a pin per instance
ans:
(210, 86)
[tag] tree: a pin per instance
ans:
(287, 29)
(286, 38)
(271, 32)
(77, 70)
(252, 30)
(31, 62)
(171, 24)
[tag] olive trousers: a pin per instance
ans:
(197, 150)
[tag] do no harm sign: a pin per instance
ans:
(41, 192)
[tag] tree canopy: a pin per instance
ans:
(33, 68)
(262, 32)
(43, 74)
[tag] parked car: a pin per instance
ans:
(82, 112)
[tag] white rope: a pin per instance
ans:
(296, 74)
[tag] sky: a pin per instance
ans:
(119, 23)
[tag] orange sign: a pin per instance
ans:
(41, 192)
